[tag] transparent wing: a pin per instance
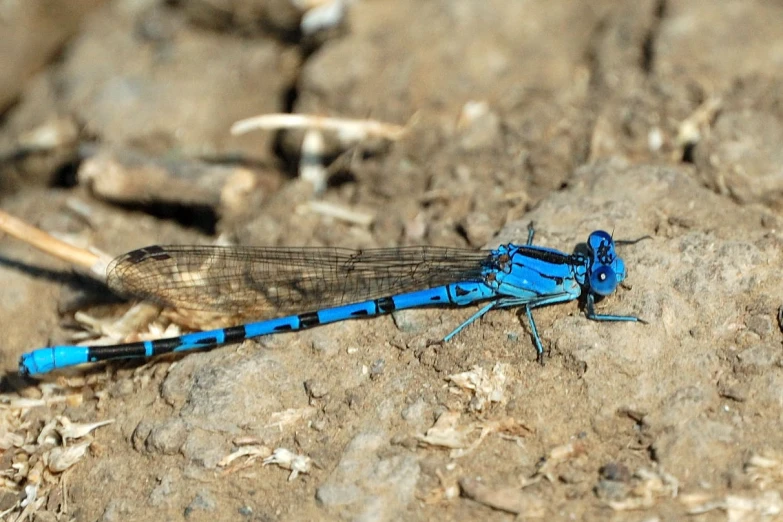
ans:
(262, 281)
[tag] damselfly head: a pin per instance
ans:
(606, 269)
(603, 280)
(601, 247)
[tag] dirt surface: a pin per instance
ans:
(660, 118)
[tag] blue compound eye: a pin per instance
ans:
(601, 247)
(603, 280)
(598, 239)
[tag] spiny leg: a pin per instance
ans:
(590, 313)
(506, 303)
(483, 310)
(531, 231)
(536, 338)
(529, 305)
(517, 301)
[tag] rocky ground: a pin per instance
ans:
(660, 118)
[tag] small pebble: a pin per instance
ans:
(167, 438)
(202, 502)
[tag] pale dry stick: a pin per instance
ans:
(7, 511)
(306, 5)
(95, 264)
(94, 261)
(692, 129)
(348, 130)
(331, 210)
(311, 167)
(319, 15)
